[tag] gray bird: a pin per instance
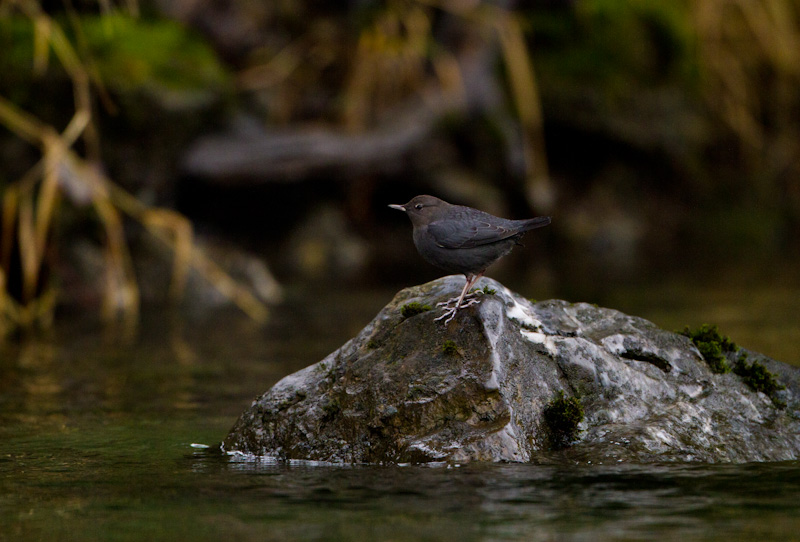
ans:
(461, 239)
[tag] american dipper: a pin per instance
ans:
(461, 239)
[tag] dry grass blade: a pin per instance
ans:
(525, 91)
(26, 241)
(223, 282)
(61, 45)
(48, 194)
(522, 83)
(79, 122)
(46, 203)
(397, 42)
(30, 204)
(180, 235)
(20, 123)
(9, 219)
(449, 74)
(739, 41)
(8, 308)
(160, 223)
(42, 31)
(121, 292)
(520, 69)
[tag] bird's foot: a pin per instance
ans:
(469, 297)
(450, 311)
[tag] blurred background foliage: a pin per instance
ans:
(654, 131)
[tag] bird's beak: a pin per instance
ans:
(398, 207)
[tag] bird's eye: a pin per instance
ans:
(418, 206)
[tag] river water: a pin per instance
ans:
(104, 438)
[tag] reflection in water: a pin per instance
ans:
(515, 502)
(40, 387)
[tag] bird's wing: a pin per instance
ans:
(467, 234)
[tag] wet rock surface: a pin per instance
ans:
(410, 389)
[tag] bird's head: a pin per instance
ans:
(422, 209)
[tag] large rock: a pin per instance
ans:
(411, 389)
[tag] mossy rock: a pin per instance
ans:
(645, 394)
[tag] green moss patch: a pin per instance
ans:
(485, 291)
(758, 378)
(449, 348)
(412, 309)
(562, 416)
(713, 346)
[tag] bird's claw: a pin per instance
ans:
(450, 311)
(469, 297)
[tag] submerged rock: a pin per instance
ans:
(410, 389)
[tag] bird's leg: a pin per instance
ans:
(471, 280)
(465, 292)
(458, 299)
(451, 311)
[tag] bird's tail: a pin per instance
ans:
(533, 223)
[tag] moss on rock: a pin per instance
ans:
(449, 348)
(759, 378)
(412, 309)
(712, 346)
(563, 415)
